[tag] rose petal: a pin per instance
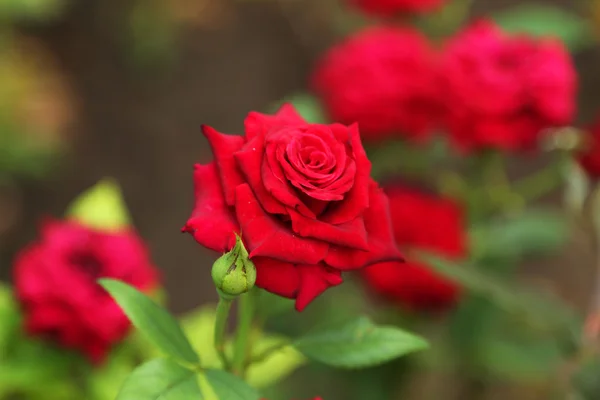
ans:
(250, 161)
(212, 223)
(314, 280)
(278, 186)
(258, 124)
(382, 246)
(223, 147)
(349, 234)
(277, 277)
(357, 199)
(267, 236)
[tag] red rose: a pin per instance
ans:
(501, 92)
(384, 79)
(55, 283)
(392, 7)
(589, 157)
(424, 223)
(301, 197)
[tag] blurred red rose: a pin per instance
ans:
(301, 197)
(55, 283)
(392, 7)
(501, 92)
(427, 223)
(384, 79)
(589, 157)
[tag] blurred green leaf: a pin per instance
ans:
(270, 305)
(161, 379)
(152, 320)
(307, 105)
(546, 20)
(39, 10)
(577, 187)
(531, 233)
(514, 351)
(106, 380)
(538, 309)
(101, 207)
(229, 387)
(277, 365)
(153, 33)
(199, 325)
(358, 343)
(586, 381)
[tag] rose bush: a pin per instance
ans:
(384, 79)
(392, 7)
(55, 284)
(427, 223)
(589, 156)
(301, 197)
(501, 91)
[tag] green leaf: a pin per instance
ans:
(358, 343)
(307, 105)
(155, 322)
(161, 379)
(230, 387)
(546, 20)
(577, 187)
(585, 381)
(531, 233)
(540, 310)
(277, 365)
(101, 207)
(270, 305)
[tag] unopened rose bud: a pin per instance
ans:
(234, 273)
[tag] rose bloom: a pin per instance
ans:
(426, 223)
(392, 7)
(301, 197)
(384, 79)
(56, 285)
(501, 92)
(589, 157)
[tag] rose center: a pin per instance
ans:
(87, 262)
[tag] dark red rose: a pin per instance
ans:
(426, 223)
(55, 283)
(384, 79)
(589, 156)
(393, 7)
(301, 197)
(502, 92)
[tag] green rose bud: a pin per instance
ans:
(234, 273)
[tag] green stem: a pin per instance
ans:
(220, 326)
(241, 346)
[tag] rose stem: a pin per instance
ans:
(241, 345)
(223, 308)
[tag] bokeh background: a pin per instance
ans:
(119, 88)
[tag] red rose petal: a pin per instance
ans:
(349, 234)
(357, 199)
(223, 146)
(277, 184)
(212, 223)
(277, 277)
(266, 236)
(382, 246)
(314, 280)
(250, 161)
(258, 124)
